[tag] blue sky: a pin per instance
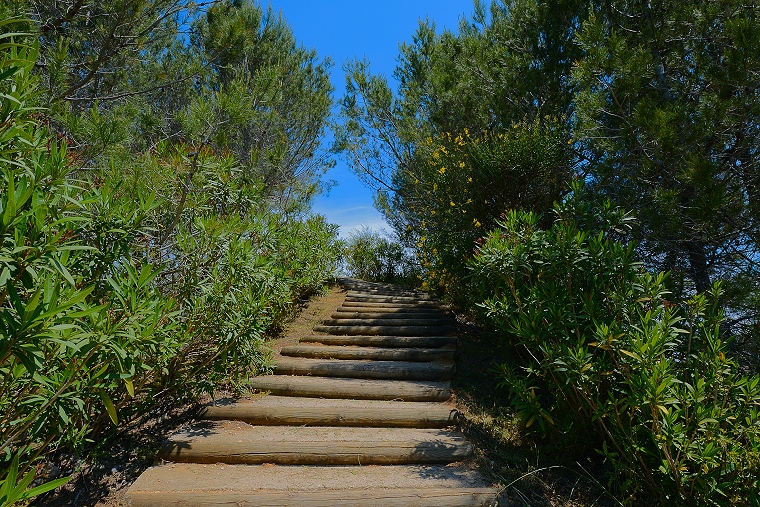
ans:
(342, 30)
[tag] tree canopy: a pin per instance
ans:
(655, 102)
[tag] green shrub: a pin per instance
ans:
(604, 355)
(370, 256)
(460, 183)
(73, 336)
(111, 296)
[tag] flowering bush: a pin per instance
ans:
(464, 181)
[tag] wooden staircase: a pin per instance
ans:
(355, 415)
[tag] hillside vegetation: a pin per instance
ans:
(158, 161)
(580, 178)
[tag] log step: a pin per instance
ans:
(221, 485)
(360, 311)
(396, 370)
(235, 442)
(376, 353)
(365, 321)
(359, 389)
(383, 298)
(295, 411)
(381, 330)
(395, 300)
(437, 316)
(383, 341)
(383, 497)
(375, 287)
(386, 292)
(368, 304)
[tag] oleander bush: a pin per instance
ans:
(117, 289)
(604, 354)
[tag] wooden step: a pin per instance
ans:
(362, 285)
(383, 341)
(372, 292)
(381, 497)
(396, 370)
(359, 389)
(387, 291)
(384, 322)
(368, 304)
(288, 410)
(343, 314)
(399, 300)
(381, 330)
(360, 311)
(239, 443)
(221, 485)
(375, 353)
(386, 297)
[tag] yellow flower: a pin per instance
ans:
(462, 164)
(570, 141)
(435, 154)
(435, 186)
(469, 180)
(452, 203)
(442, 170)
(476, 222)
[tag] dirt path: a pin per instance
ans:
(355, 414)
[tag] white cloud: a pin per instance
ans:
(353, 218)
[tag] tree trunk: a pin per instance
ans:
(700, 271)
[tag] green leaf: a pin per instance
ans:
(63, 271)
(18, 491)
(44, 488)
(110, 407)
(9, 481)
(10, 206)
(77, 298)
